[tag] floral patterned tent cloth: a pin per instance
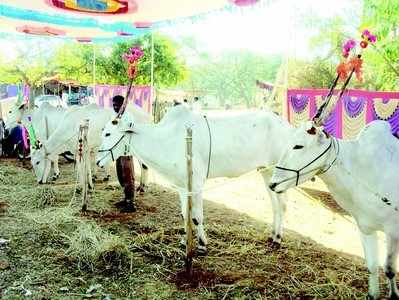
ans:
(352, 112)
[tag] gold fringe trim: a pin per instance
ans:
(352, 126)
(385, 110)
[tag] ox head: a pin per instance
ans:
(16, 114)
(41, 164)
(307, 155)
(115, 141)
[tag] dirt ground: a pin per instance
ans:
(45, 244)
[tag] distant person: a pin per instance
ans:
(125, 170)
(196, 105)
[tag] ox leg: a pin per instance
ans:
(183, 214)
(279, 208)
(107, 172)
(88, 172)
(279, 205)
(56, 169)
(143, 179)
(198, 220)
(390, 266)
(370, 248)
(47, 170)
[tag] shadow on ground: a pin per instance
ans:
(240, 263)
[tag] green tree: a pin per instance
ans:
(381, 17)
(232, 76)
(37, 60)
(169, 68)
(74, 61)
(30, 65)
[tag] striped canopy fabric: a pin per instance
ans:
(101, 19)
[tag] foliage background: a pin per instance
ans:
(227, 77)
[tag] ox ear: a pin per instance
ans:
(312, 130)
(129, 129)
(322, 136)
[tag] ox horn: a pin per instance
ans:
(123, 107)
(318, 118)
(321, 114)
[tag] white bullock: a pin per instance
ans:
(362, 175)
(20, 113)
(226, 146)
(66, 136)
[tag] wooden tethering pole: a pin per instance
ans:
(188, 220)
(84, 162)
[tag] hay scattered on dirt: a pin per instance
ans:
(138, 256)
(44, 196)
(7, 175)
(90, 244)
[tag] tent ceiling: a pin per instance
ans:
(137, 10)
(101, 18)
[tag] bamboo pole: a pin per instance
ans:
(46, 127)
(94, 70)
(188, 220)
(83, 170)
(1, 134)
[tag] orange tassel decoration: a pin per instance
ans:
(131, 71)
(356, 64)
(342, 71)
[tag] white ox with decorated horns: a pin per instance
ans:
(362, 175)
(66, 136)
(227, 146)
(21, 112)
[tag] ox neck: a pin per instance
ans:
(53, 146)
(339, 172)
(147, 143)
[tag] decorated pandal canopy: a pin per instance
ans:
(351, 113)
(102, 20)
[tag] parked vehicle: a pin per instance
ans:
(53, 100)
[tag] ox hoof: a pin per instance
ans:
(140, 189)
(201, 250)
(370, 297)
(273, 243)
(84, 208)
(182, 242)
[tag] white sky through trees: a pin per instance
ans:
(273, 29)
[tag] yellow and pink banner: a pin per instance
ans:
(351, 113)
(140, 95)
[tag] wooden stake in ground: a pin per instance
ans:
(2, 135)
(188, 219)
(83, 161)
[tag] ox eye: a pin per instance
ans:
(107, 134)
(37, 163)
(297, 147)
